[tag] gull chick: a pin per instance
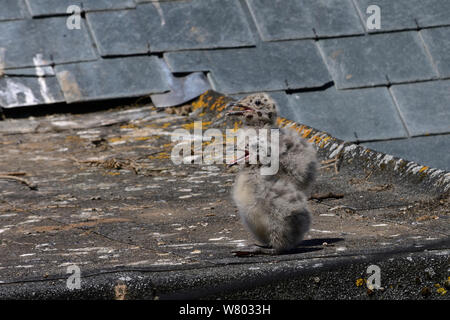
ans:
(273, 208)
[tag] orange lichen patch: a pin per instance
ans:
(324, 142)
(315, 139)
(71, 226)
(423, 169)
(359, 282)
(142, 138)
(282, 122)
(113, 173)
(167, 145)
(306, 133)
(196, 125)
(237, 124)
(160, 156)
(200, 103)
(219, 104)
(441, 291)
(202, 114)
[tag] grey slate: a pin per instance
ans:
(379, 59)
(300, 19)
(40, 8)
(269, 67)
(408, 14)
(24, 39)
(424, 106)
(432, 151)
(352, 115)
(111, 78)
(195, 24)
(12, 10)
(438, 43)
(29, 91)
(182, 89)
(45, 71)
(118, 32)
(394, 14)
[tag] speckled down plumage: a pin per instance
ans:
(274, 207)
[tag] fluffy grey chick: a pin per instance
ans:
(273, 207)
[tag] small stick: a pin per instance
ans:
(327, 166)
(30, 185)
(328, 161)
(329, 195)
(13, 173)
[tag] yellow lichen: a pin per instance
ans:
(423, 169)
(441, 291)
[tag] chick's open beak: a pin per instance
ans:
(245, 157)
(233, 105)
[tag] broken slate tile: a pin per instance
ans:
(48, 40)
(379, 59)
(118, 32)
(407, 14)
(13, 10)
(111, 78)
(424, 106)
(182, 89)
(300, 19)
(269, 67)
(41, 8)
(438, 43)
(352, 115)
(195, 24)
(429, 151)
(29, 91)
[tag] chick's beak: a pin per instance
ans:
(232, 112)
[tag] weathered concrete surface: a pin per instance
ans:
(110, 201)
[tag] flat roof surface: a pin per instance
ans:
(108, 199)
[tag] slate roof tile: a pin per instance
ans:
(352, 115)
(424, 106)
(182, 89)
(438, 43)
(42, 8)
(300, 19)
(379, 59)
(23, 40)
(408, 14)
(13, 10)
(431, 151)
(111, 78)
(29, 91)
(268, 67)
(118, 32)
(195, 24)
